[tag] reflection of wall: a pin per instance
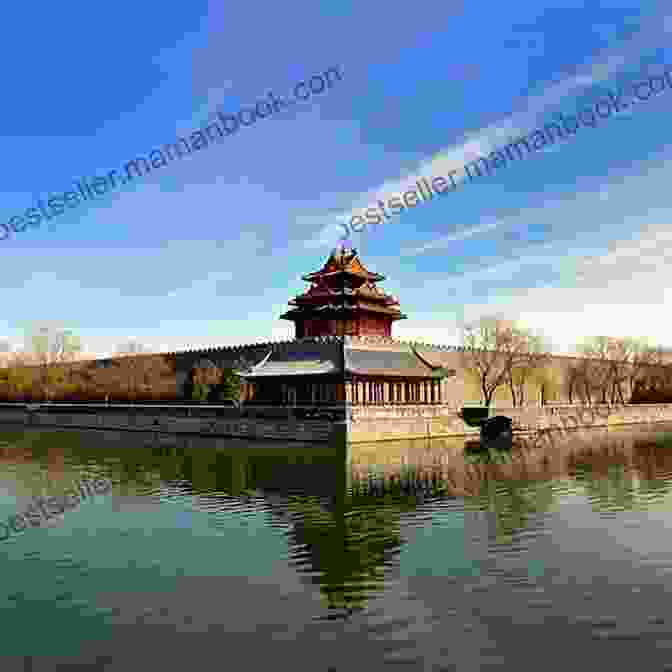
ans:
(580, 455)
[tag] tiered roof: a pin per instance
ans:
(341, 288)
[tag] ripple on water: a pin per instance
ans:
(615, 635)
(597, 621)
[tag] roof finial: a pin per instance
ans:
(344, 246)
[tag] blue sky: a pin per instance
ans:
(207, 251)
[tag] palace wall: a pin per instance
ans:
(171, 371)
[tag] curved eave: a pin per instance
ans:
(375, 277)
(283, 368)
(339, 312)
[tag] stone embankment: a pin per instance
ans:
(334, 425)
(212, 420)
(381, 423)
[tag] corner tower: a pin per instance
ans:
(343, 300)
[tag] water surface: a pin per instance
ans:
(411, 555)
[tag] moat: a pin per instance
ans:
(405, 555)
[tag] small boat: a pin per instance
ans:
(498, 427)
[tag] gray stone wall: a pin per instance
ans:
(380, 423)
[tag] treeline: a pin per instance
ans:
(52, 370)
(135, 378)
(139, 378)
(620, 370)
(503, 355)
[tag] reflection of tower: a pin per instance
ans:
(343, 549)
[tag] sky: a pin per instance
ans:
(571, 241)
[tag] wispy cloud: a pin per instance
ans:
(485, 140)
(445, 241)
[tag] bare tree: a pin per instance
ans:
(52, 349)
(651, 375)
(574, 380)
(493, 346)
(142, 376)
(612, 368)
(528, 357)
(19, 378)
(596, 368)
(621, 354)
